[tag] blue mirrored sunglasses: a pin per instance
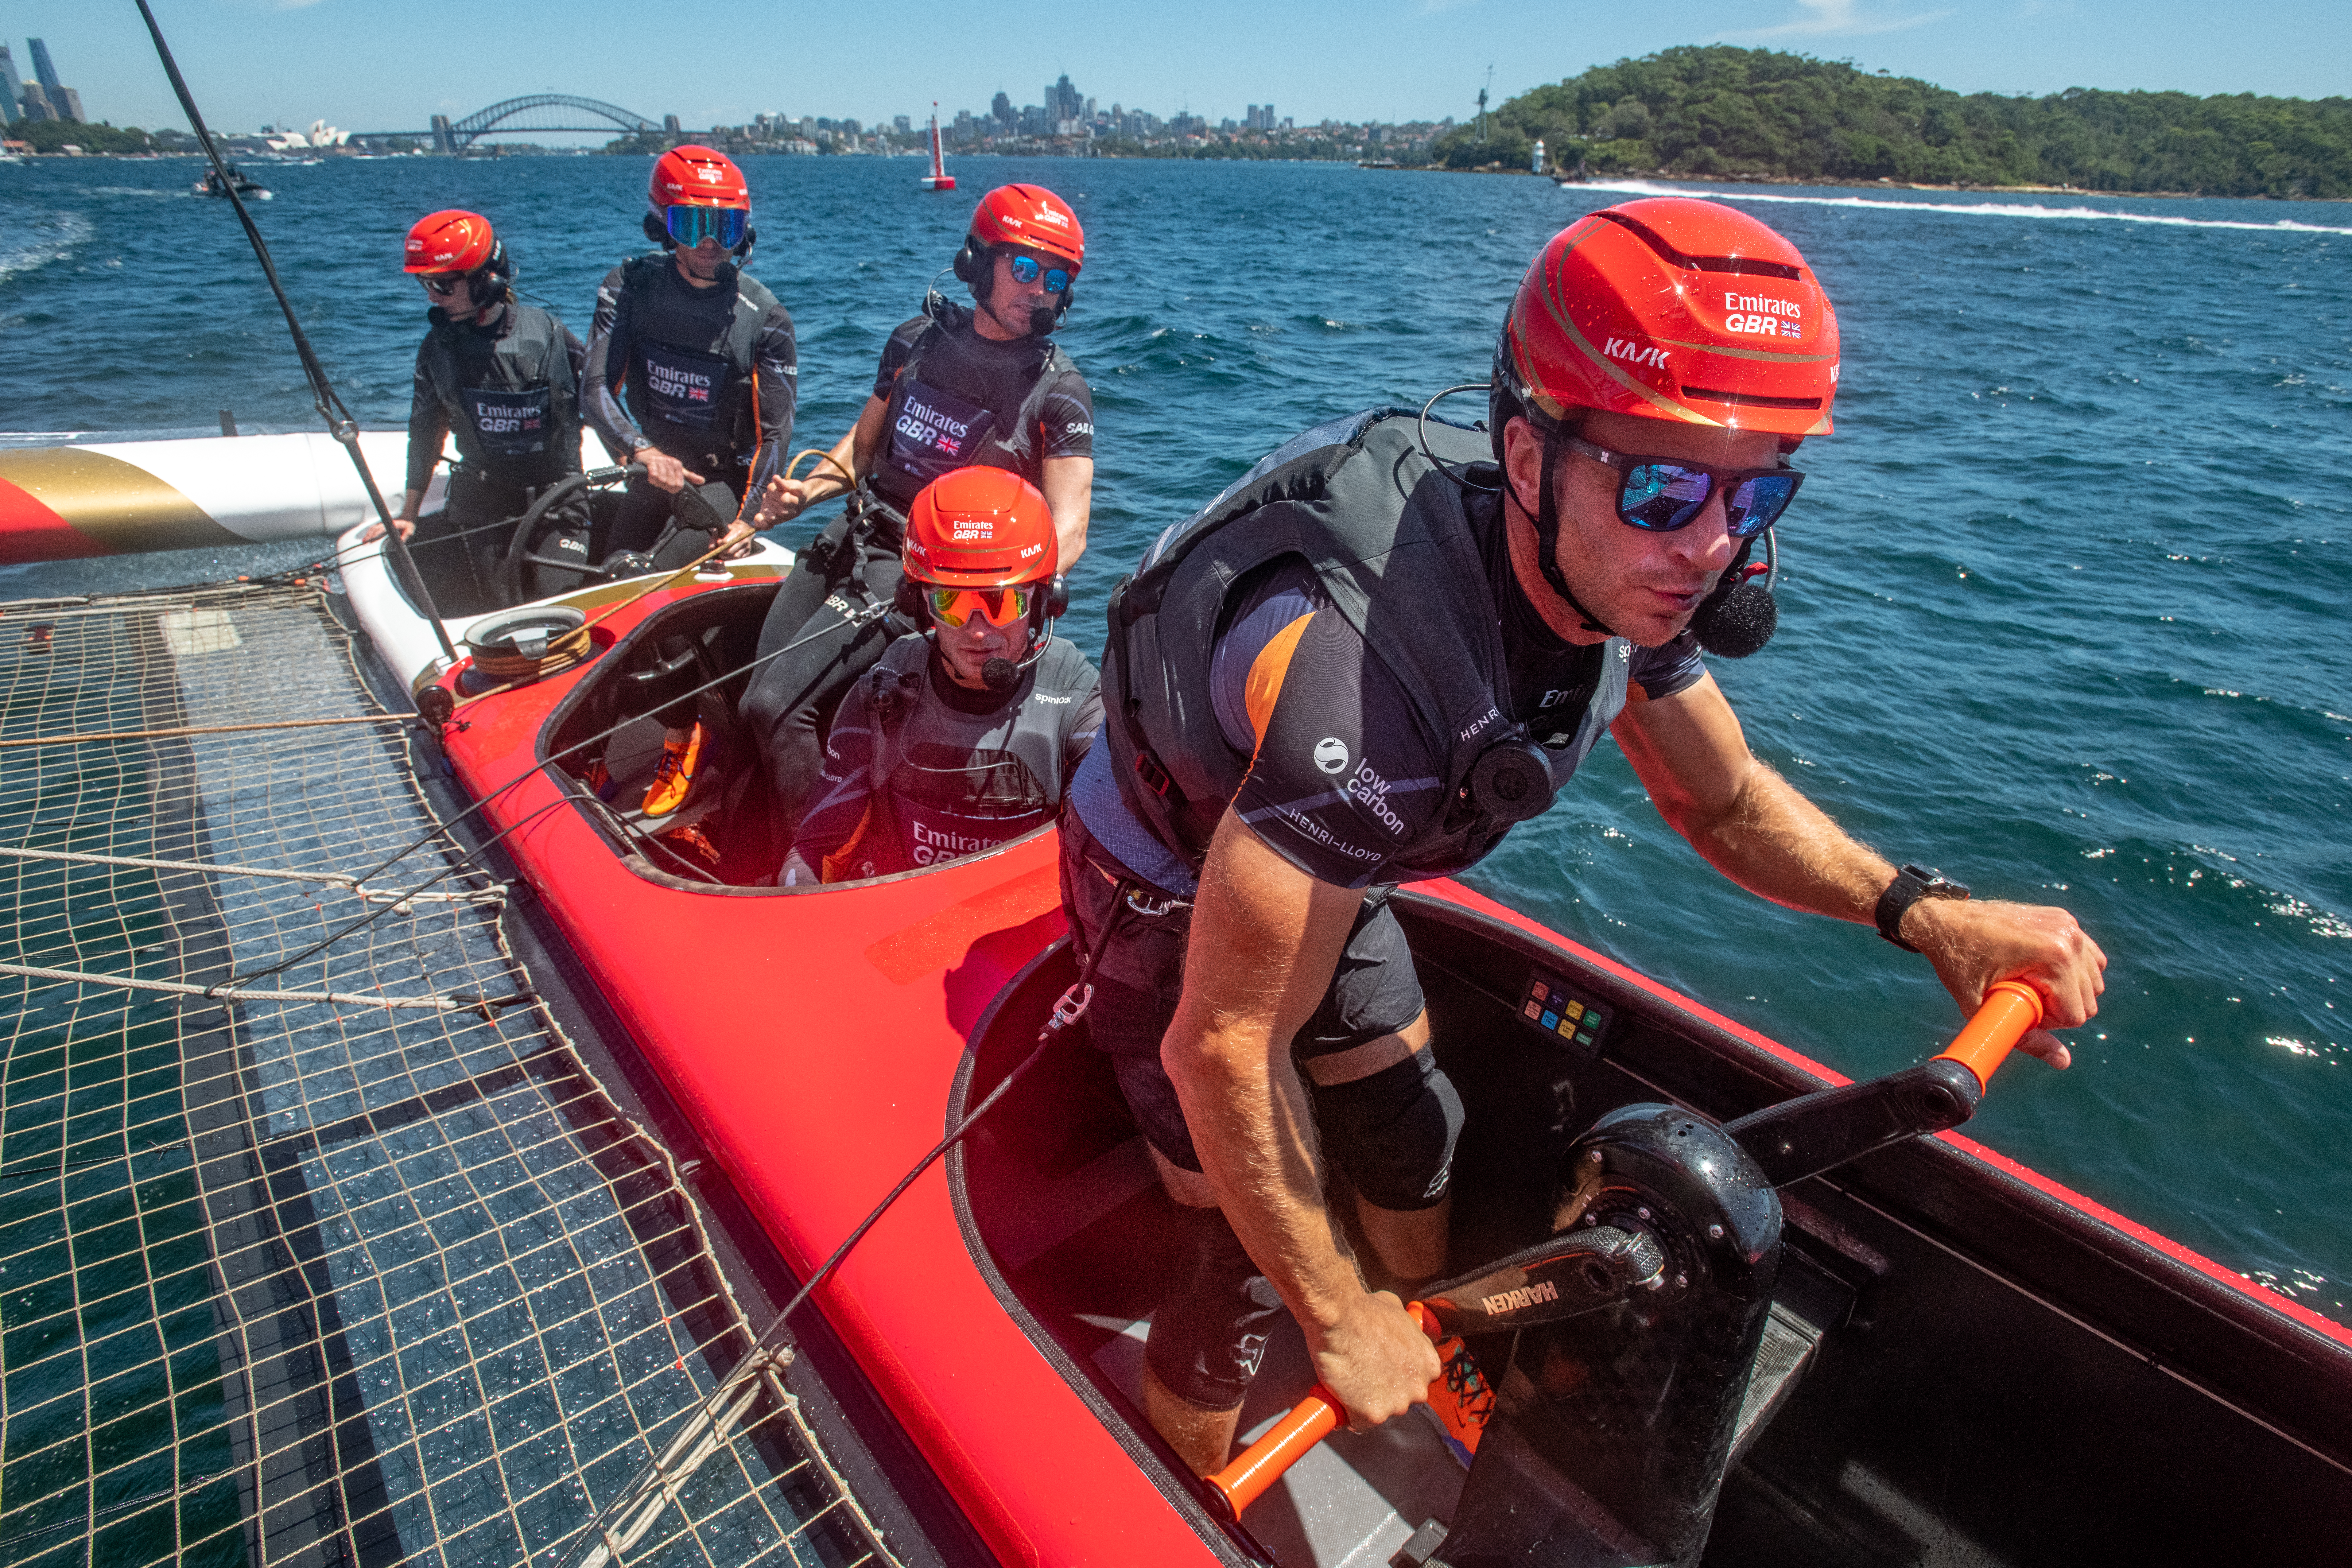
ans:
(1026, 267)
(691, 225)
(1663, 494)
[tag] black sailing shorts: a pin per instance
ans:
(1374, 991)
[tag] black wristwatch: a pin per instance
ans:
(1912, 884)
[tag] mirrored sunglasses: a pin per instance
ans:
(1663, 494)
(1001, 606)
(1025, 269)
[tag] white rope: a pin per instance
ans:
(483, 1006)
(496, 893)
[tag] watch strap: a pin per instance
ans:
(1911, 884)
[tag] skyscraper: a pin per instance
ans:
(11, 84)
(54, 89)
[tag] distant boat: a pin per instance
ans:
(239, 180)
(938, 179)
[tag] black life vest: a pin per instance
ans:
(684, 375)
(945, 783)
(928, 431)
(510, 398)
(1386, 533)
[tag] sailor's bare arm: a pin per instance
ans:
(835, 474)
(1758, 829)
(1069, 486)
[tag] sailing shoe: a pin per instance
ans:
(1460, 1402)
(673, 776)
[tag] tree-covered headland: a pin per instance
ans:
(1720, 112)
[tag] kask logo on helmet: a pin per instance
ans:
(1633, 353)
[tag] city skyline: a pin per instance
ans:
(1388, 61)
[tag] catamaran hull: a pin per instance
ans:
(821, 1039)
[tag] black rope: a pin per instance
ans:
(340, 423)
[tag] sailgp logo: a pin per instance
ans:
(1520, 1300)
(1331, 754)
(1633, 353)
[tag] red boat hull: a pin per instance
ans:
(813, 1038)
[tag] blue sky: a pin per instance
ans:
(369, 64)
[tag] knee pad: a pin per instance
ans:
(1394, 1132)
(1207, 1341)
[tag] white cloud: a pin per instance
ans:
(1836, 18)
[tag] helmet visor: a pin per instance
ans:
(690, 226)
(999, 607)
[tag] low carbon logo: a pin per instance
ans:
(1331, 754)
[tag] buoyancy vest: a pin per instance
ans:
(1386, 533)
(516, 418)
(683, 374)
(928, 431)
(944, 784)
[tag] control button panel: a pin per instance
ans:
(1576, 1019)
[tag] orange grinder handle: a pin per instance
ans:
(1262, 1464)
(1311, 1420)
(2010, 1007)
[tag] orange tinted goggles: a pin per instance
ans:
(1001, 606)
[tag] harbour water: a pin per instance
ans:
(2061, 604)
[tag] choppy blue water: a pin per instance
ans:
(2065, 603)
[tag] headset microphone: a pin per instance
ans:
(1740, 617)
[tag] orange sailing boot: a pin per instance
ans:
(673, 776)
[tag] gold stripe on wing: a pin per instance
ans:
(120, 505)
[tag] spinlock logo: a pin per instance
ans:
(1633, 353)
(1520, 1299)
(1331, 754)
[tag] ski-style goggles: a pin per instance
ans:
(1025, 269)
(1663, 494)
(690, 226)
(999, 606)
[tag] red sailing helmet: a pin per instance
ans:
(1672, 309)
(979, 528)
(1032, 218)
(693, 176)
(450, 241)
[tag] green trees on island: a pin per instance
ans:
(1724, 112)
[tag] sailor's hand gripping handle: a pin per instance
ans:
(1312, 1419)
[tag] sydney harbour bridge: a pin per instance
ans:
(539, 113)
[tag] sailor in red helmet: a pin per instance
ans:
(956, 387)
(1364, 664)
(692, 372)
(965, 735)
(504, 377)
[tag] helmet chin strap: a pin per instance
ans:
(1547, 538)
